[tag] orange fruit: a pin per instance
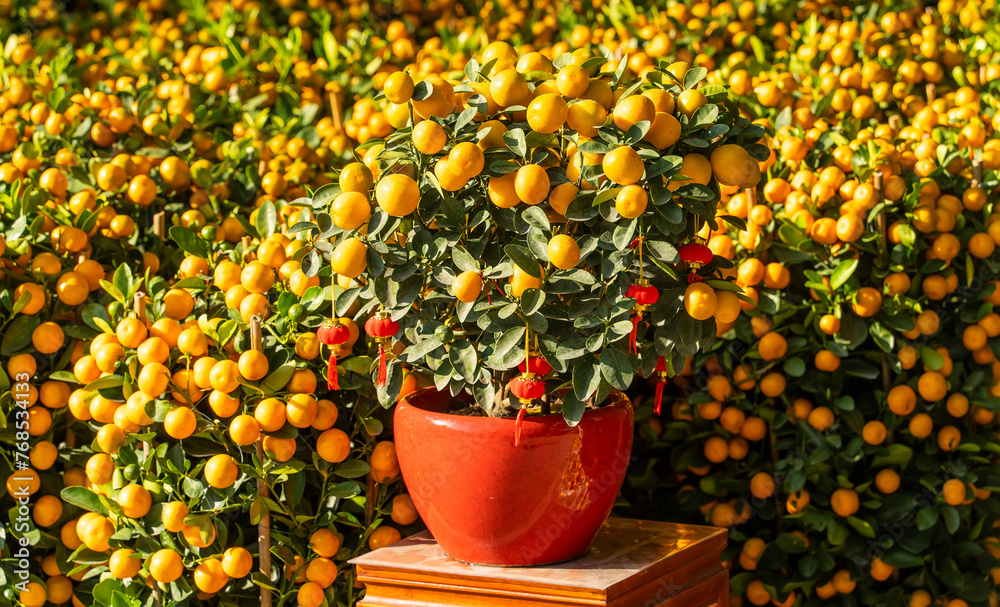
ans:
(383, 536)
(237, 562)
(221, 471)
(547, 113)
(563, 251)
(180, 423)
(403, 511)
(333, 445)
(531, 184)
(633, 109)
(845, 502)
(521, 281)
(210, 576)
(696, 168)
(173, 516)
(135, 501)
(623, 166)
(324, 542)
(509, 88)
(700, 301)
(631, 201)
(429, 137)
(166, 566)
(953, 492)
(124, 564)
(253, 365)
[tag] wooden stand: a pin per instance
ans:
(631, 564)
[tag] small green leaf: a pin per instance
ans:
(84, 498)
(843, 273)
(524, 260)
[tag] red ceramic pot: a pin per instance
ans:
(488, 502)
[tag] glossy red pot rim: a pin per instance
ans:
(423, 399)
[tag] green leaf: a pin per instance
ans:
(352, 468)
(463, 358)
(531, 301)
(930, 357)
(277, 379)
(313, 298)
(616, 368)
(586, 379)
(94, 315)
(843, 273)
(464, 261)
(893, 455)
(535, 217)
(794, 367)
(84, 498)
(524, 260)
(926, 518)
(109, 381)
(17, 335)
(266, 220)
(345, 490)
(227, 330)
(572, 408)
(952, 520)
(861, 526)
(187, 240)
(791, 544)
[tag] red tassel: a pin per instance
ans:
(659, 397)
(332, 381)
(633, 345)
(380, 382)
(694, 277)
(517, 426)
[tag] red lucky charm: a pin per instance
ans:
(644, 295)
(332, 333)
(661, 372)
(381, 328)
(535, 364)
(526, 388)
(695, 255)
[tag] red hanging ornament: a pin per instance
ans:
(381, 328)
(661, 371)
(526, 388)
(535, 364)
(332, 333)
(644, 295)
(695, 255)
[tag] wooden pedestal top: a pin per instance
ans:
(651, 560)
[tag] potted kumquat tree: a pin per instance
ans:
(535, 242)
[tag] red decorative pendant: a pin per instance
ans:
(695, 255)
(644, 295)
(535, 364)
(526, 388)
(661, 371)
(332, 333)
(381, 328)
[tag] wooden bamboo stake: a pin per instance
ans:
(335, 112)
(883, 249)
(139, 307)
(894, 123)
(930, 92)
(977, 171)
(264, 526)
(159, 224)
